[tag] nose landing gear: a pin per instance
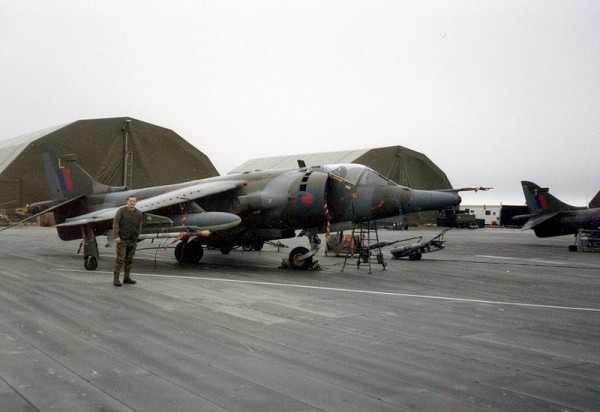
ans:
(301, 258)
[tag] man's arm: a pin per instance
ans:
(141, 222)
(116, 225)
(139, 231)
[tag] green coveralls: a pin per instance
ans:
(127, 225)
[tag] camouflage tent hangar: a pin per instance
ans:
(404, 166)
(153, 155)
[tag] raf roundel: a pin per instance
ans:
(307, 199)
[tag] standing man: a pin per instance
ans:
(127, 227)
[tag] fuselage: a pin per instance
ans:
(274, 203)
(569, 223)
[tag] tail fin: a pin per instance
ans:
(53, 180)
(67, 180)
(539, 200)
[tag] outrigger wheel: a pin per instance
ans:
(296, 261)
(90, 262)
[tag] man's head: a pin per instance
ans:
(131, 201)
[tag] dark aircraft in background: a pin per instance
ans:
(243, 209)
(548, 216)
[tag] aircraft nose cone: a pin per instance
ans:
(432, 200)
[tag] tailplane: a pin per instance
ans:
(539, 200)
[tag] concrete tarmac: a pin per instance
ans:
(499, 321)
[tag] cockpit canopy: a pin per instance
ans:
(357, 174)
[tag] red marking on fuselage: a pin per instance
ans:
(67, 178)
(307, 198)
(381, 202)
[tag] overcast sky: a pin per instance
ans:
(493, 92)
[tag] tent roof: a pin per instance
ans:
(402, 165)
(11, 148)
(291, 161)
(156, 156)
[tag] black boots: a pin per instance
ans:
(126, 280)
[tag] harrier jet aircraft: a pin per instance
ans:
(548, 216)
(232, 210)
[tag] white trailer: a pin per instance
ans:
(490, 214)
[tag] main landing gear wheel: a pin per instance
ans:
(296, 261)
(90, 262)
(189, 252)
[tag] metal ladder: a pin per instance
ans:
(366, 250)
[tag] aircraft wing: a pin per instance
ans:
(171, 198)
(93, 217)
(49, 209)
(185, 194)
(534, 221)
